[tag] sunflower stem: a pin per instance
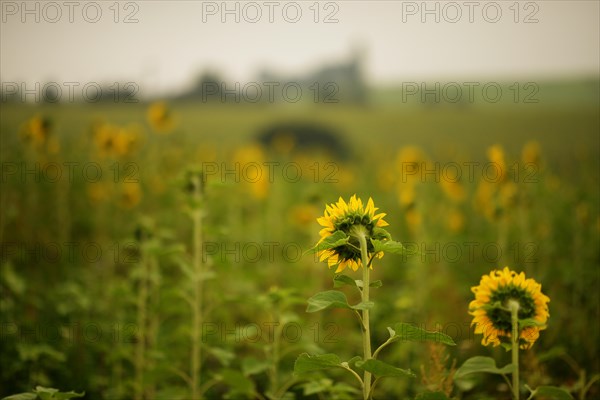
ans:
(198, 291)
(365, 313)
(514, 317)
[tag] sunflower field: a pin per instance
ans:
(160, 251)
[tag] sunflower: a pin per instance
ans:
(491, 316)
(352, 218)
(160, 117)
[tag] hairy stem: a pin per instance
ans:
(365, 313)
(514, 314)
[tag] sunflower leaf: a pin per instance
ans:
(381, 369)
(523, 323)
(390, 246)
(327, 299)
(482, 364)
(363, 305)
(338, 238)
(352, 362)
(22, 396)
(306, 363)
(343, 280)
(374, 284)
(552, 392)
(381, 233)
(411, 333)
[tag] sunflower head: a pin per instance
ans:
(353, 219)
(490, 309)
(160, 117)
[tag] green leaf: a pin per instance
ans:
(252, 366)
(363, 305)
(306, 363)
(224, 356)
(67, 395)
(552, 392)
(352, 362)
(411, 333)
(343, 280)
(523, 323)
(506, 346)
(21, 396)
(45, 393)
(237, 381)
(333, 299)
(13, 281)
(338, 238)
(381, 369)
(481, 364)
(42, 389)
(390, 246)
(381, 234)
(432, 396)
(374, 284)
(316, 386)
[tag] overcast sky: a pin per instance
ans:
(173, 40)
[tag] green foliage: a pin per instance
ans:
(306, 363)
(382, 369)
(550, 392)
(44, 393)
(82, 312)
(333, 299)
(341, 280)
(411, 333)
(479, 364)
(338, 238)
(390, 246)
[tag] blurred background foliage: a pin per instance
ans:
(96, 269)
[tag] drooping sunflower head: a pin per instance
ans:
(490, 312)
(351, 218)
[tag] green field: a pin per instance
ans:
(100, 272)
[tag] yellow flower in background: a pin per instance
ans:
(485, 200)
(385, 178)
(508, 194)
(160, 117)
(531, 153)
(406, 195)
(104, 139)
(36, 133)
(413, 219)
(343, 178)
(249, 165)
(114, 141)
(303, 214)
(453, 189)
(349, 217)
(455, 221)
(410, 161)
(131, 195)
(496, 156)
(491, 316)
(252, 153)
(99, 192)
